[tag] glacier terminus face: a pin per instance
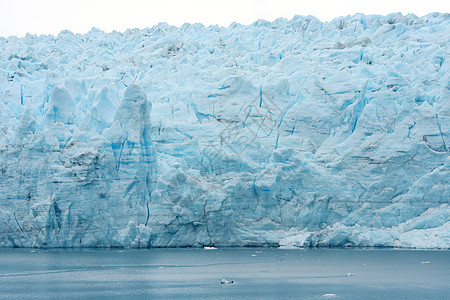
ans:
(292, 133)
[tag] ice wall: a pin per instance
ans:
(291, 133)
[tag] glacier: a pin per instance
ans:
(290, 133)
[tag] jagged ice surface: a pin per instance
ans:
(291, 133)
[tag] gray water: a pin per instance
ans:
(196, 273)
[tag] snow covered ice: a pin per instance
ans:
(292, 133)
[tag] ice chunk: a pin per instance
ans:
(224, 281)
(133, 114)
(61, 107)
(209, 248)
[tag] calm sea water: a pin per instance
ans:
(196, 273)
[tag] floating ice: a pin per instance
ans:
(224, 281)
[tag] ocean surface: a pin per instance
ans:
(267, 273)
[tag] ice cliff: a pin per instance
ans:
(290, 133)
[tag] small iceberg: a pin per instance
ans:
(224, 281)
